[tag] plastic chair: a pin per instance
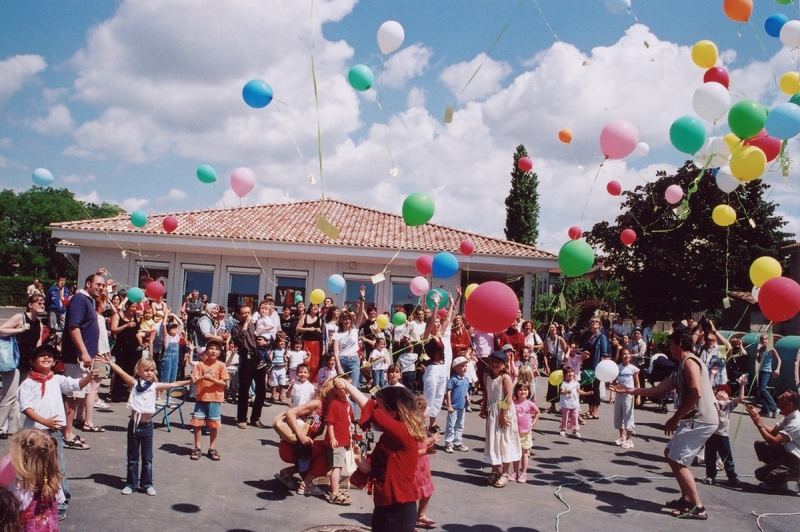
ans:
(176, 397)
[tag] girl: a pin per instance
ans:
(328, 370)
(277, 377)
(9, 512)
(142, 404)
(623, 407)
(525, 422)
(422, 476)
(570, 390)
(502, 433)
(393, 376)
(379, 358)
(37, 488)
(296, 356)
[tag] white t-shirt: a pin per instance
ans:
(383, 359)
(296, 358)
(302, 392)
(348, 343)
(103, 346)
(626, 374)
(724, 409)
(570, 400)
(790, 427)
(49, 404)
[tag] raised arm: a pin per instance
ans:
(106, 359)
(361, 313)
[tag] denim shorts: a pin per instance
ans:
(206, 413)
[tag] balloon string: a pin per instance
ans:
(574, 157)
(592, 188)
(545, 21)
(393, 170)
(289, 131)
(316, 101)
(769, 61)
(727, 258)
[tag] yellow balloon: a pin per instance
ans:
(748, 163)
(704, 54)
(317, 296)
(556, 377)
(732, 141)
(763, 269)
(790, 83)
(723, 215)
(469, 289)
(382, 321)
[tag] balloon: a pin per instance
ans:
(154, 290)
(382, 321)
(688, 133)
(642, 149)
(466, 247)
(317, 296)
(138, 219)
(628, 236)
(774, 23)
(738, 10)
(769, 145)
(525, 164)
(704, 54)
(717, 74)
(587, 377)
(257, 93)
(361, 77)
(565, 136)
(795, 99)
(468, 290)
(732, 141)
(556, 377)
(298, 297)
(779, 299)
(492, 307)
(42, 177)
(169, 223)
(419, 285)
(606, 371)
(614, 188)
(673, 194)
(418, 209)
(618, 139)
(442, 313)
(725, 180)
(748, 164)
(135, 294)
(618, 7)
(723, 215)
(715, 152)
(445, 265)
(242, 181)
(7, 473)
(444, 298)
(424, 264)
(783, 121)
(754, 293)
(790, 83)
(575, 258)
(390, 36)
(790, 34)
(399, 318)
(336, 283)
(711, 101)
(206, 174)
(746, 118)
(763, 269)
(575, 232)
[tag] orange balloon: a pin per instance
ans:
(738, 10)
(565, 136)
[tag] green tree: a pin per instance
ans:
(682, 261)
(522, 204)
(582, 296)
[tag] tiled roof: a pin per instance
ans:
(744, 296)
(791, 247)
(296, 222)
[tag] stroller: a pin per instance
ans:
(661, 367)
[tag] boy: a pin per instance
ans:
(338, 417)
(262, 349)
(379, 358)
(393, 376)
(719, 441)
(456, 398)
(210, 377)
(302, 390)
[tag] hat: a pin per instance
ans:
(724, 388)
(45, 350)
(460, 360)
(501, 355)
(507, 347)
(214, 341)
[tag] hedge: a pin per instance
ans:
(13, 290)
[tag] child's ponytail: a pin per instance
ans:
(34, 454)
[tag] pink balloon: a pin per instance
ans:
(242, 181)
(575, 232)
(628, 237)
(673, 194)
(419, 286)
(718, 74)
(154, 290)
(467, 247)
(769, 145)
(779, 299)
(525, 164)
(424, 265)
(169, 224)
(492, 307)
(614, 188)
(618, 139)
(7, 473)
(442, 313)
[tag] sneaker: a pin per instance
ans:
(627, 444)
(127, 490)
(562, 433)
(619, 441)
(778, 486)
(523, 478)
(151, 491)
(513, 476)
(708, 480)
(62, 514)
(734, 482)
(448, 448)
(720, 465)
(576, 434)
(461, 447)
(468, 409)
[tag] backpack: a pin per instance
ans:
(9, 353)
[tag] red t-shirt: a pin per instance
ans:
(513, 337)
(338, 417)
(460, 341)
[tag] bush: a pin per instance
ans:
(661, 341)
(13, 290)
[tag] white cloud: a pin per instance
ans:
(57, 121)
(133, 204)
(5, 142)
(53, 95)
(174, 194)
(75, 179)
(91, 197)
(487, 80)
(406, 64)
(18, 70)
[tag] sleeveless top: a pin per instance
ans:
(434, 348)
(142, 402)
(310, 336)
(705, 411)
(554, 349)
(125, 341)
(27, 341)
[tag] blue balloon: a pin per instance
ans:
(774, 23)
(445, 264)
(783, 121)
(714, 171)
(336, 283)
(42, 177)
(257, 93)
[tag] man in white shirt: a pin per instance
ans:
(780, 450)
(619, 327)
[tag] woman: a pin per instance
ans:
(437, 369)
(459, 337)
(345, 342)
(124, 327)
(534, 342)
(555, 347)
(309, 329)
(331, 326)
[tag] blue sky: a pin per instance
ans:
(122, 101)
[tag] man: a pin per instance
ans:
(709, 354)
(244, 335)
(288, 323)
(780, 450)
(33, 288)
(634, 325)
(637, 347)
(595, 346)
(694, 421)
(54, 303)
(193, 309)
(618, 327)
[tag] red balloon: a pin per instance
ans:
(467, 247)
(169, 224)
(779, 299)
(525, 164)
(154, 290)
(575, 232)
(770, 146)
(424, 264)
(614, 188)
(442, 313)
(717, 74)
(492, 307)
(628, 237)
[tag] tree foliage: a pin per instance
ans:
(522, 204)
(582, 296)
(678, 263)
(26, 244)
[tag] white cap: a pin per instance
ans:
(459, 360)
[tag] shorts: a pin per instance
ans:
(206, 413)
(102, 368)
(526, 440)
(76, 371)
(277, 376)
(687, 441)
(337, 457)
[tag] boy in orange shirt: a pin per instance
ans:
(209, 376)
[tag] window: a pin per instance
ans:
(354, 283)
(287, 289)
(402, 298)
(153, 272)
(243, 290)
(202, 281)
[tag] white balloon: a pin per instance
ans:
(390, 36)
(642, 149)
(606, 371)
(754, 293)
(790, 34)
(711, 101)
(618, 7)
(725, 180)
(714, 153)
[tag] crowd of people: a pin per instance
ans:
(342, 376)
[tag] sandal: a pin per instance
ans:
(691, 512)
(213, 454)
(501, 481)
(101, 405)
(340, 498)
(493, 478)
(304, 489)
(286, 480)
(196, 453)
(92, 428)
(76, 443)
(676, 504)
(424, 521)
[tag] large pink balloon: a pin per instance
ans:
(154, 290)
(419, 286)
(492, 307)
(242, 181)
(779, 299)
(424, 265)
(618, 139)
(7, 473)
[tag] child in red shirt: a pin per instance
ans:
(338, 417)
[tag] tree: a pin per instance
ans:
(522, 204)
(582, 296)
(682, 261)
(26, 243)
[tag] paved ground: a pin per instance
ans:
(239, 493)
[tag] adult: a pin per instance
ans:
(206, 327)
(694, 421)
(736, 364)
(288, 323)
(513, 337)
(768, 363)
(484, 347)
(634, 325)
(555, 347)
(780, 448)
(244, 335)
(124, 326)
(345, 342)
(637, 347)
(92, 400)
(54, 303)
(309, 329)
(160, 312)
(33, 288)
(460, 340)
(619, 326)
(709, 354)
(533, 342)
(437, 365)
(368, 331)
(193, 308)
(595, 345)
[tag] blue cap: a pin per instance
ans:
(499, 354)
(507, 347)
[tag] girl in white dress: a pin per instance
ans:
(502, 434)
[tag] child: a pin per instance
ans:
(456, 398)
(277, 378)
(623, 406)
(147, 331)
(338, 417)
(527, 416)
(394, 375)
(328, 370)
(719, 443)
(262, 351)
(301, 391)
(296, 356)
(408, 366)
(142, 404)
(379, 358)
(9, 516)
(502, 433)
(37, 488)
(210, 376)
(172, 350)
(570, 390)
(265, 324)
(423, 482)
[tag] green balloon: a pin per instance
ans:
(361, 77)
(587, 377)
(418, 209)
(688, 134)
(784, 1)
(135, 294)
(795, 99)
(206, 174)
(138, 219)
(746, 118)
(575, 258)
(444, 299)
(399, 318)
